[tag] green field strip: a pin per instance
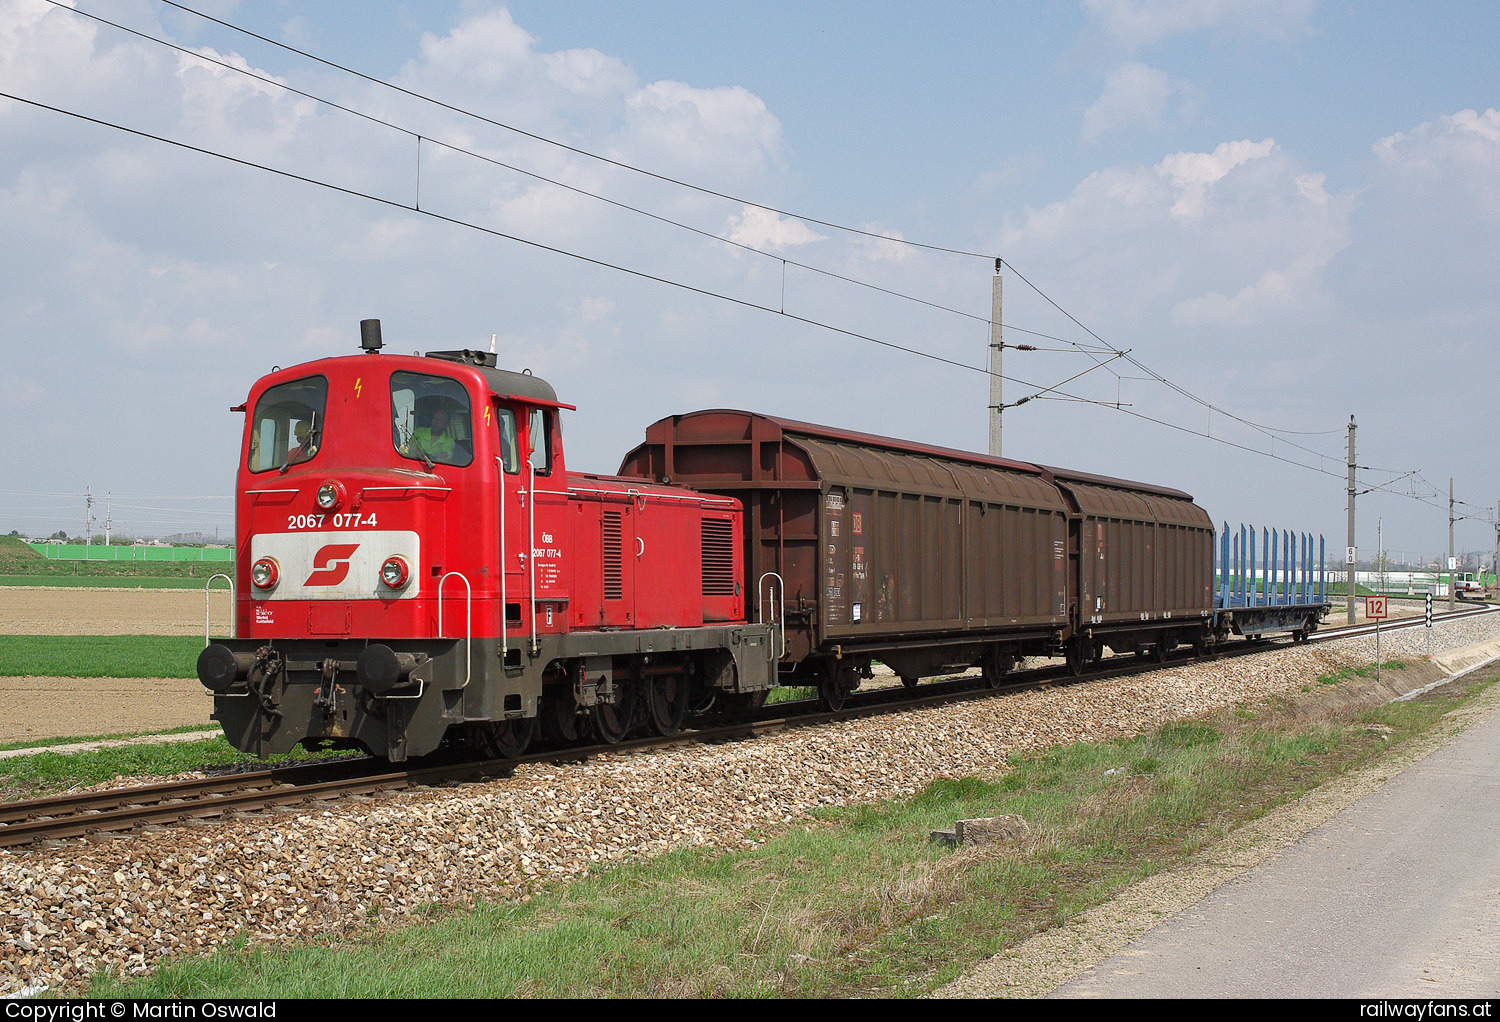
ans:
(99, 656)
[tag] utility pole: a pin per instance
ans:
(1352, 556)
(88, 520)
(1452, 565)
(995, 348)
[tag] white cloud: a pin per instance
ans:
(1194, 174)
(728, 129)
(1279, 291)
(1134, 94)
(762, 229)
(1455, 159)
(488, 49)
(1136, 23)
(1232, 237)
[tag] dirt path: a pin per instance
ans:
(33, 708)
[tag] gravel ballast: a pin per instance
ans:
(126, 904)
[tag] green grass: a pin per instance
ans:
(1368, 671)
(24, 777)
(857, 903)
(100, 656)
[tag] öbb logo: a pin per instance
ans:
(331, 564)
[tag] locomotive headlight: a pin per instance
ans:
(395, 572)
(265, 573)
(330, 496)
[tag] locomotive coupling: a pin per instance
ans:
(219, 667)
(381, 668)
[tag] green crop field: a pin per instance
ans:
(99, 656)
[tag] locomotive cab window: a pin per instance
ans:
(430, 419)
(287, 427)
(539, 437)
(505, 420)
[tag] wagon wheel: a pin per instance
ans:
(995, 667)
(508, 739)
(835, 682)
(667, 703)
(831, 691)
(907, 681)
(612, 720)
(1298, 635)
(1159, 652)
(1075, 659)
(743, 705)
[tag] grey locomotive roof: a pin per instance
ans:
(501, 381)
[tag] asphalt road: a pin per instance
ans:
(1398, 896)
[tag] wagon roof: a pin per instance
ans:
(809, 429)
(889, 443)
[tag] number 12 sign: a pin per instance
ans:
(1375, 608)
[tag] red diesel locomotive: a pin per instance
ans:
(415, 564)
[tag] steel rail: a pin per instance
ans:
(123, 810)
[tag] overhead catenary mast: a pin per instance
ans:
(995, 348)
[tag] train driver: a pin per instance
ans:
(435, 438)
(307, 443)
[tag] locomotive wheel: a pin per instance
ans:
(559, 716)
(508, 739)
(667, 701)
(612, 720)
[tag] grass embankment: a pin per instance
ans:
(48, 773)
(857, 903)
(99, 656)
(20, 565)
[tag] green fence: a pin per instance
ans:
(100, 552)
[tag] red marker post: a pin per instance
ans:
(1375, 610)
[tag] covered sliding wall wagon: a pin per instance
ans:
(927, 558)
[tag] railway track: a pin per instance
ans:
(122, 811)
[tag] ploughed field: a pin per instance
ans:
(49, 707)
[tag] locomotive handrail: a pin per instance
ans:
(531, 545)
(371, 489)
(778, 609)
(504, 608)
(468, 620)
(208, 588)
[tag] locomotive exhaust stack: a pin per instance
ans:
(369, 336)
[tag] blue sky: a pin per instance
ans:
(1287, 209)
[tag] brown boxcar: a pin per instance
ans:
(927, 558)
(1140, 565)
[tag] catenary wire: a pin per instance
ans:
(1268, 430)
(604, 264)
